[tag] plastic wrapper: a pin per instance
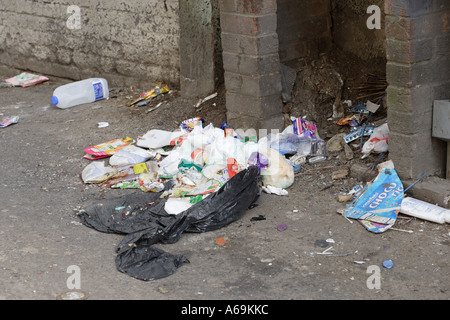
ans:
(106, 149)
(144, 221)
(9, 121)
(26, 80)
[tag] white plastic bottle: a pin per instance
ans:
(425, 211)
(80, 92)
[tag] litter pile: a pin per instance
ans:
(194, 179)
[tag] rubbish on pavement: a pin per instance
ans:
(97, 172)
(317, 159)
(9, 121)
(202, 101)
(106, 149)
(80, 92)
(176, 206)
(273, 190)
(357, 132)
(151, 224)
(155, 139)
(282, 227)
(102, 125)
(423, 210)
(146, 97)
(388, 264)
(26, 80)
(279, 173)
(129, 155)
(378, 141)
(378, 205)
(221, 241)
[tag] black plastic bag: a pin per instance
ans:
(144, 222)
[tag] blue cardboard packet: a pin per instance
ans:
(378, 206)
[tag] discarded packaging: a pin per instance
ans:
(129, 155)
(80, 92)
(9, 121)
(426, 211)
(97, 172)
(377, 207)
(378, 141)
(106, 149)
(26, 80)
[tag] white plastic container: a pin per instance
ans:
(80, 92)
(425, 211)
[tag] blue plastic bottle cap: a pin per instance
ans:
(388, 264)
(55, 100)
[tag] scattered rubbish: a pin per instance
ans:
(152, 224)
(129, 155)
(25, 80)
(80, 92)
(221, 241)
(102, 125)
(378, 141)
(148, 96)
(317, 159)
(282, 227)
(378, 205)
(97, 172)
(274, 190)
(423, 210)
(388, 264)
(258, 218)
(155, 108)
(73, 295)
(202, 101)
(9, 121)
(106, 149)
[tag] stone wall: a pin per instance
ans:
(418, 46)
(304, 28)
(127, 42)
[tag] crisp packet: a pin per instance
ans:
(107, 149)
(26, 80)
(302, 126)
(9, 121)
(190, 124)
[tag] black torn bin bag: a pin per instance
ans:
(144, 222)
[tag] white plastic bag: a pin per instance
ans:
(279, 173)
(155, 139)
(97, 172)
(378, 141)
(129, 155)
(174, 206)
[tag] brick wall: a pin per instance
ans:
(128, 42)
(251, 63)
(304, 28)
(418, 46)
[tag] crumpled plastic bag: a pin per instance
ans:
(279, 173)
(378, 141)
(143, 220)
(130, 155)
(97, 172)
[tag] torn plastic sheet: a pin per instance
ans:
(378, 206)
(143, 220)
